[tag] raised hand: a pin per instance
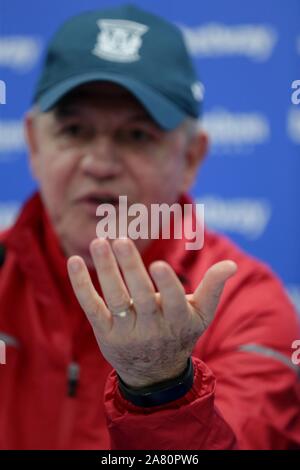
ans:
(146, 336)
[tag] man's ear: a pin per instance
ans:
(197, 148)
(30, 131)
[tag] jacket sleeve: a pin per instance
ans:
(190, 423)
(249, 350)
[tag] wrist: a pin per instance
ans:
(162, 392)
(140, 383)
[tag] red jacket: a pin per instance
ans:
(245, 389)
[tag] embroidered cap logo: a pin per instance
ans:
(119, 40)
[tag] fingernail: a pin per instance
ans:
(122, 246)
(74, 266)
(100, 248)
(159, 272)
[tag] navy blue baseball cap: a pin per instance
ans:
(130, 47)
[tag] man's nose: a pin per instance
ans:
(101, 160)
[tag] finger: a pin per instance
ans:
(207, 295)
(172, 294)
(113, 287)
(87, 296)
(137, 279)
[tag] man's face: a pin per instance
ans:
(100, 143)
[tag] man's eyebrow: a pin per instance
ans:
(142, 117)
(66, 110)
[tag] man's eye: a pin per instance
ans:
(139, 135)
(73, 130)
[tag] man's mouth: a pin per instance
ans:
(91, 202)
(101, 200)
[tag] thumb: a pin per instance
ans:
(207, 295)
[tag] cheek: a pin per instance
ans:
(56, 170)
(160, 178)
(172, 180)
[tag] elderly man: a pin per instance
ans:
(115, 113)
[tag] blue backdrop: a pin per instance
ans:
(248, 55)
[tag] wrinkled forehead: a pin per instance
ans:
(104, 96)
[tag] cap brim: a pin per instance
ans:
(164, 112)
